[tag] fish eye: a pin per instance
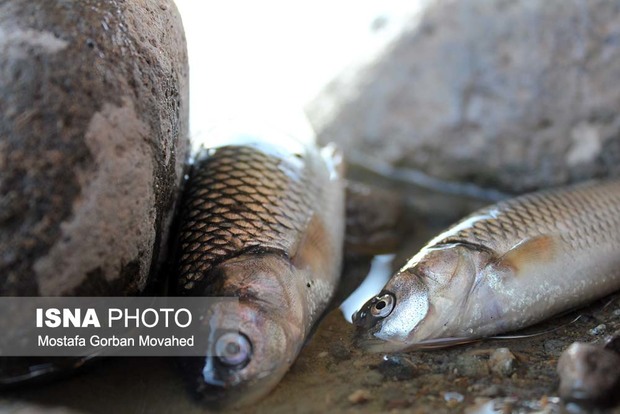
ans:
(383, 306)
(233, 349)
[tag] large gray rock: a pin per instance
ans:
(93, 140)
(513, 95)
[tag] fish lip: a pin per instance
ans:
(215, 394)
(228, 395)
(357, 316)
(372, 344)
(218, 398)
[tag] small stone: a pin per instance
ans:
(323, 354)
(481, 405)
(396, 367)
(598, 330)
(453, 398)
(617, 312)
(359, 397)
(398, 404)
(612, 342)
(471, 366)
(491, 391)
(502, 362)
(589, 375)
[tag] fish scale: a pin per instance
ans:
(262, 221)
(238, 198)
(583, 209)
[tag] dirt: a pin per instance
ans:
(331, 375)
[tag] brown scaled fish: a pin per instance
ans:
(502, 268)
(264, 223)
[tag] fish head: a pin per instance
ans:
(251, 344)
(244, 363)
(423, 302)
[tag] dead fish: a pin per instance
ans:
(502, 268)
(263, 223)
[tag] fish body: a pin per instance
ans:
(502, 268)
(263, 223)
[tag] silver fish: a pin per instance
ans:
(502, 268)
(263, 223)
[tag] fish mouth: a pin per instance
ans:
(370, 343)
(206, 387)
(219, 389)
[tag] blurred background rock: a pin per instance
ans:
(511, 95)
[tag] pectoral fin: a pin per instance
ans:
(533, 250)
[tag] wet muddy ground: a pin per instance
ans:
(331, 375)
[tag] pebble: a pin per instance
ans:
(398, 404)
(453, 398)
(613, 342)
(502, 362)
(617, 312)
(322, 354)
(359, 396)
(598, 330)
(481, 406)
(396, 367)
(491, 391)
(589, 375)
(471, 366)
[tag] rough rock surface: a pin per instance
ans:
(93, 140)
(589, 374)
(509, 95)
